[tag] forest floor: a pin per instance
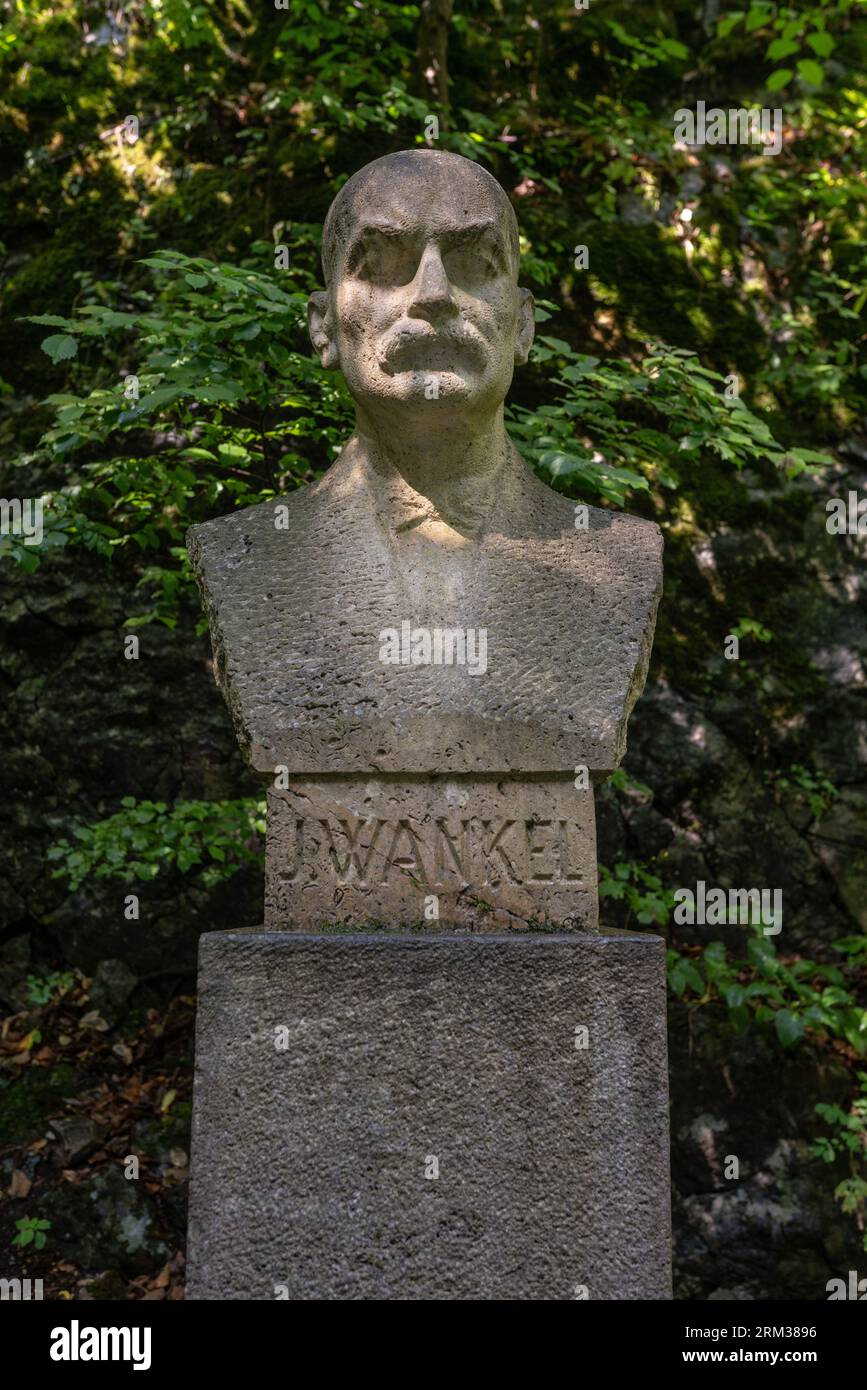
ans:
(94, 1135)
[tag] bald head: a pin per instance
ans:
(422, 311)
(398, 186)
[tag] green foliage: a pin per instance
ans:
(209, 355)
(55, 534)
(791, 996)
(215, 837)
(818, 791)
(242, 415)
(855, 947)
(613, 427)
(42, 989)
(848, 1138)
(749, 627)
(31, 1231)
(640, 889)
(623, 781)
(803, 35)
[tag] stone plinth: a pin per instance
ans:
(414, 1116)
(484, 853)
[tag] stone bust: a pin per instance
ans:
(428, 608)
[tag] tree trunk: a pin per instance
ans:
(432, 55)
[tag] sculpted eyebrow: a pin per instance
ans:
(368, 230)
(488, 236)
(487, 231)
(474, 231)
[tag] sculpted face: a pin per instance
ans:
(421, 257)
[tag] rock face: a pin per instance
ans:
(91, 729)
(430, 1117)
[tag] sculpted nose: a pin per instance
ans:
(431, 288)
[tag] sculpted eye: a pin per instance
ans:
(470, 264)
(386, 260)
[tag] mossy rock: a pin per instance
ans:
(29, 1101)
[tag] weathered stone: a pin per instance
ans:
(398, 1050)
(429, 522)
(296, 617)
(429, 656)
(484, 853)
(430, 608)
(113, 983)
(106, 1222)
(74, 1135)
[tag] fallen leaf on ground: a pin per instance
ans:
(20, 1184)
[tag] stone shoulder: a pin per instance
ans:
(614, 532)
(224, 534)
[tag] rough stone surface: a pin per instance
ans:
(296, 615)
(419, 653)
(494, 852)
(308, 1163)
(429, 522)
(430, 608)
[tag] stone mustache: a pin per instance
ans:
(416, 790)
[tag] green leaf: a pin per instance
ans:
(824, 1149)
(686, 973)
(789, 1028)
(50, 321)
(779, 79)
(227, 393)
(811, 71)
(725, 26)
(200, 454)
(59, 346)
(558, 344)
(781, 48)
(674, 48)
(758, 16)
(821, 43)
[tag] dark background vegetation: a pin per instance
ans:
(121, 777)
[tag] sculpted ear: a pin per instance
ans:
(319, 324)
(526, 327)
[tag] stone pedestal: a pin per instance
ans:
(430, 1116)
